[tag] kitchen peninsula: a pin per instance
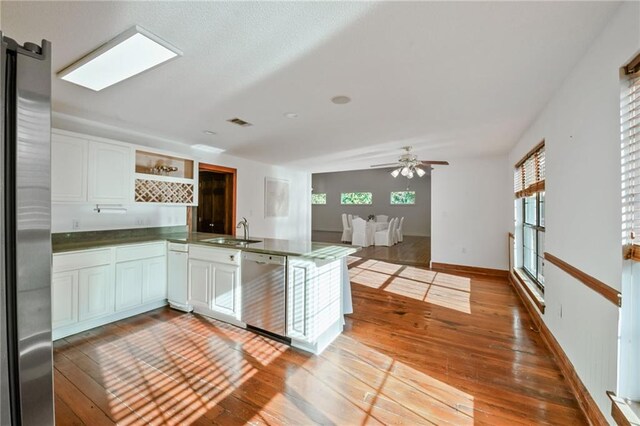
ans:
(104, 276)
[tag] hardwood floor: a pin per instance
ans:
(414, 251)
(421, 348)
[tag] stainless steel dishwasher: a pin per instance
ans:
(264, 279)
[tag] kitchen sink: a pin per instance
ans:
(233, 242)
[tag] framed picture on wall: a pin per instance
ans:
(276, 197)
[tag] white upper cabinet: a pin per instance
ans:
(68, 169)
(110, 173)
(92, 170)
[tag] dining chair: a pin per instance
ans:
(346, 229)
(350, 220)
(382, 218)
(360, 233)
(385, 237)
(394, 232)
(399, 232)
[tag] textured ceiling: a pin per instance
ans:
(452, 79)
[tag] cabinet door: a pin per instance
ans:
(68, 169)
(225, 283)
(199, 282)
(95, 292)
(298, 298)
(64, 298)
(154, 279)
(110, 173)
(128, 284)
(177, 271)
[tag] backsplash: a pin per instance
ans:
(82, 217)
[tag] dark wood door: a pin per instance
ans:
(215, 204)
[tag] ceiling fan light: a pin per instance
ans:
(395, 173)
(420, 172)
(410, 174)
(405, 171)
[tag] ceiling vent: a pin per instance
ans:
(240, 122)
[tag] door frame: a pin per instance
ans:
(220, 169)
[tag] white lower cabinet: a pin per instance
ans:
(95, 292)
(214, 282)
(64, 298)
(200, 279)
(314, 302)
(94, 287)
(128, 284)
(225, 285)
(154, 279)
(298, 298)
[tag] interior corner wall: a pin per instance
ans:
(472, 213)
(581, 129)
(380, 183)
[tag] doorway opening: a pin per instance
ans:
(216, 211)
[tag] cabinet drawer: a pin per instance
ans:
(220, 255)
(140, 251)
(79, 260)
(179, 247)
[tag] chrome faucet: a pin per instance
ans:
(245, 225)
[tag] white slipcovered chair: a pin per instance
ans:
(346, 229)
(399, 231)
(360, 233)
(382, 218)
(350, 220)
(385, 237)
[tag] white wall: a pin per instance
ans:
(471, 212)
(250, 195)
(583, 209)
(380, 183)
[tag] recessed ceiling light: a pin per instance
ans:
(130, 53)
(341, 100)
(291, 115)
(208, 132)
(207, 148)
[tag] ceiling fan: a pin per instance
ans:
(408, 165)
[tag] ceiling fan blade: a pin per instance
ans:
(385, 165)
(438, 163)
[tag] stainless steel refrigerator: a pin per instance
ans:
(26, 365)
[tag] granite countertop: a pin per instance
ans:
(102, 239)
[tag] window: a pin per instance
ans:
(533, 237)
(403, 197)
(356, 198)
(629, 341)
(318, 198)
(630, 127)
(529, 186)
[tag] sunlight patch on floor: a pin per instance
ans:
(368, 278)
(189, 380)
(392, 393)
(447, 291)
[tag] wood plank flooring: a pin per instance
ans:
(412, 250)
(421, 348)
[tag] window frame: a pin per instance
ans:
(537, 228)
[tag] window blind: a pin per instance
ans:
(529, 174)
(630, 141)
